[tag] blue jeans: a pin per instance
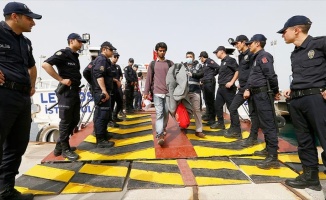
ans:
(162, 115)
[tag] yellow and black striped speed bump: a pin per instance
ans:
(136, 117)
(134, 123)
(104, 177)
(293, 161)
(155, 174)
(217, 171)
(47, 178)
(248, 166)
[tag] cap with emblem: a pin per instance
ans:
(115, 53)
(294, 21)
(108, 44)
(19, 8)
(131, 60)
(239, 39)
(203, 54)
(76, 36)
(257, 37)
(220, 48)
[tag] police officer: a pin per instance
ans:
(227, 75)
(103, 86)
(131, 79)
(117, 92)
(17, 84)
(308, 97)
(210, 69)
(67, 63)
(262, 74)
(245, 60)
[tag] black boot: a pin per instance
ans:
(102, 142)
(58, 149)
(233, 133)
(113, 124)
(308, 179)
(67, 152)
(261, 153)
(13, 194)
(218, 125)
(248, 142)
(269, 162)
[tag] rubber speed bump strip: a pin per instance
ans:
(155, 174)
(248, 166)
(108, 177)
(130, 130)
(47, 178)
(293, 161)
(216, 172)
(136, 116)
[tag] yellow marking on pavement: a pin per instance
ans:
(211, 164)
(25, 190)
(72, 188)
(283, 172)
(252, 157)
(135, 121)
(201, 181)
(104, 170)
(211, 138)
(137, 115)
(157, 177)
(139, 154)
(124, 142)
(207, 128)
(163, 162)
(293, 158)
(50, 173)
(130, 130)
(210, 151)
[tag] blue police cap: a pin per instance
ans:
(76, 36)
(19, 8)
(219, 49)
(239, 38)
(295, 20)
(257, 37)
(108, 44)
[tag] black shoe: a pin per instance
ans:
(261, 153)
(13, 194)
(308, 179)
(113, 124)
(269, 162)
(217, 125)
(105, 144)
(205, 118)
(210, 123)
(232, 133)
(58, 150)
(69, 154)
(116, 119)
(248, 142)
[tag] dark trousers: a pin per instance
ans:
(209, 92)
(15, 125)
(224, 95)
(129, 92)
(308, 115)
(137, 100)
(117, 99)
(69, 113)
(265, 114)
(254, 119)
(101, 115)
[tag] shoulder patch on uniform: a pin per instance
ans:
(264, 60)
(246, 58)
(311, 54)
(102, 68)
(58, 53)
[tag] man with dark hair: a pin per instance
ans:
(17, 85)
(157, 78)
(262, 78)
(131, 79)
(117, 92)
(69, 77)
(227, 75)
(210, 69)
(308, 97)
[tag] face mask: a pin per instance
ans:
(189, 61)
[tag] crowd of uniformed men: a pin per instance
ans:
(254, 71)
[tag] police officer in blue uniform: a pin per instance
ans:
(131, 80)
(210, 69)
(245, 61)
(103, 85)
(67, 62)
(307, 97)
(17, 84)
(117, 92)
(227, 75)
(262, 74)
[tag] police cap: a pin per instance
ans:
(116, 54)
(239, 39)
(19, 8)
(257, 37)
(76, 36)
(203, 54)
(220, 48)
(295, 20)
(108, 44)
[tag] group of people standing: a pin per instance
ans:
(255, 71)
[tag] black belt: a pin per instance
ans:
(305, 92)
(208, 81)
(258, 90)
(17, 86)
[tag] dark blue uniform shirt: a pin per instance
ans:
(68, 65)
(119, 72)
(245, 61)
(210, 69)
(15, 55)
(130, 75)
(263, 70)
(102, 68)
(309, 64)
(227, 70)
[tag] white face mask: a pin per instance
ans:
(189, 61)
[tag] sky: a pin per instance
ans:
(134, 27)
